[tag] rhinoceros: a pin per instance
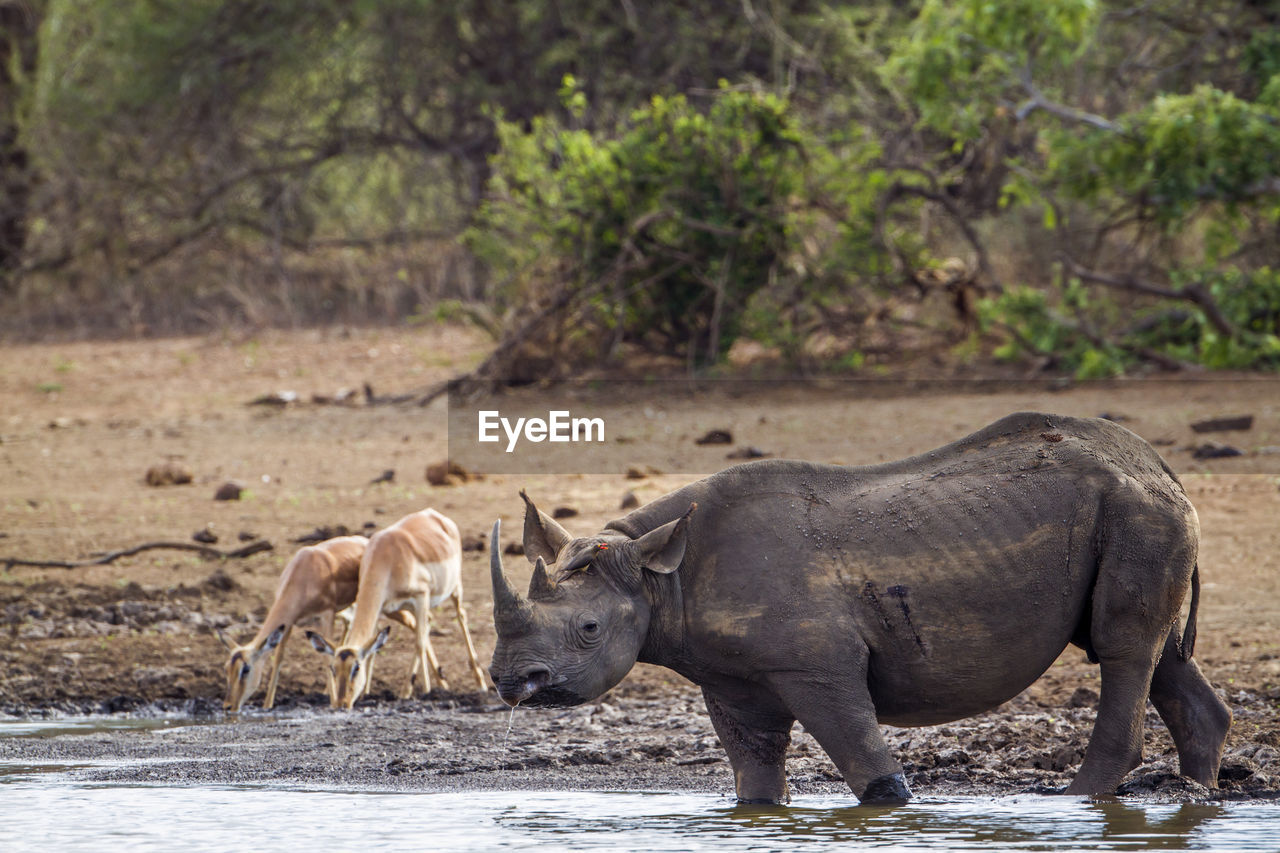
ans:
(911, 593)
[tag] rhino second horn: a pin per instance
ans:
(540, 584)
(509, 609)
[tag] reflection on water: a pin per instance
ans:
(54, 726)
(64, 816)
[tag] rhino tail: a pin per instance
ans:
(1188, 645)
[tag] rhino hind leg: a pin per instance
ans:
(1139, 589)
(1197, 719)
(757, 752)
(1115, 747)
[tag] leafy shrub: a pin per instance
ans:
(662, 231)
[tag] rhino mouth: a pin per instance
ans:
(554, 697)
(536, 693)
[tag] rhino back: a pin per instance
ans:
(965, 571)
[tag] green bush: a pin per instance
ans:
(663, 230)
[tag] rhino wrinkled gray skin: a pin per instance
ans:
(911, 593)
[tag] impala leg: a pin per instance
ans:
(461, 612)
(429, 654)
(1197, 719)
(274, 678)
(757, 748)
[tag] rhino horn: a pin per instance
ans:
(540, 584)
(509, 609)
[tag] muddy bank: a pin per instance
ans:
(638, 739)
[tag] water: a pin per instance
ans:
(43, 806)
(54, 726)
(38, 815)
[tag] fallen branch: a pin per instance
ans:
(248, 550)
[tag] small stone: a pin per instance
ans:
(1214, 450)
(229, 491)
(514, 548)
(629, 501)
(275, 398)
(448, 473)
(169, 474)
(748, 452)
(564, 512)
(716, 436)
(207, 536)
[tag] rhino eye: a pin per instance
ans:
(591, 627)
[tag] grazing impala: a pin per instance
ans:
(413, 565)
(320, 579)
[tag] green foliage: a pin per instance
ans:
(668, 227)
(1036, 328)
(961, 62)
(1175, 155)
(1251, 302)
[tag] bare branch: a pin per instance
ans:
(1192, 293)
(205, 550)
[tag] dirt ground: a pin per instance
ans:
(82, 423)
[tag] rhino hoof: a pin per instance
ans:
(887, 791)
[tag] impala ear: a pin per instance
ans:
(272, 641)
(319, 643)
(378, 642)
(662, 549)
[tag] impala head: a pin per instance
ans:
(350, 666)
(245, 668)
(582, 625)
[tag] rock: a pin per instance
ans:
(275, 398)
(449, 473)
(564, 512)
(320, 534)
(474, 543)
(229, 491)
(387, 476)
(1083, 697)
(748, 452)
(1235, 769)
(168, 474)
(640, 472)
(716, 436)
(629, 501)
(246, 536)
(514, 548)
(207, 536)
(1234, 422)
(220, 581)
(1214, 450)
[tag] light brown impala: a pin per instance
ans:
(319, 579)
(413, 565)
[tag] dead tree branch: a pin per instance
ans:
(1192, 293)
(204, 550)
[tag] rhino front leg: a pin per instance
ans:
(842, 718)
(757, 751)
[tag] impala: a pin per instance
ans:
(413, 565)
(320, 579)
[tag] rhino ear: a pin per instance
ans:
(543, 535)
(661, 550)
